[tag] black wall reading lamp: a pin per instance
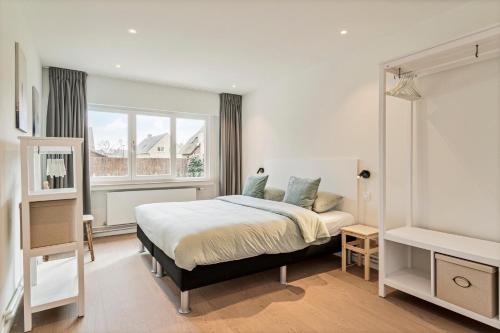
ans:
(364, 174)
(260, 171)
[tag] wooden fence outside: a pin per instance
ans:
(118, 166)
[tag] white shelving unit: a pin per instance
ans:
(406, 252)
(56, 282)
(468, 248)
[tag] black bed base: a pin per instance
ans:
(204, 275)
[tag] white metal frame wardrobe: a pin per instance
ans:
(397, 244)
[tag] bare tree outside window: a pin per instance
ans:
(108, 132)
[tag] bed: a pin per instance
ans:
(205, 242)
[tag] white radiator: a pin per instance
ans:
(120, 205)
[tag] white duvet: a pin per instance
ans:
(228, 228)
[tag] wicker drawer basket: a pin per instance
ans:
(52, 222)
(468, 284)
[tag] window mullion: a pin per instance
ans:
(173, 147)
(207, 161)
(132, 145)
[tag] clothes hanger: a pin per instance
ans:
(410, 88)
(405, 88)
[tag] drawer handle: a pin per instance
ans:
(462, 282)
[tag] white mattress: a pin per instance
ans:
(335, 219)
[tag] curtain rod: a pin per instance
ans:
(66, 69)
(47, 67)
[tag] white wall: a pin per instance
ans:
(458, 149)
(109, 91)
(457, 153)
(118, 92)
(134, 94)
(331, 110)
(12, 29)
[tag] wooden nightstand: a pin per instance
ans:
(364, 235)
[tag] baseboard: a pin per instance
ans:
(8, 316)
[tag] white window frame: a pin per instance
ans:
(132, 177)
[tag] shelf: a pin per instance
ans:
(474, 249)
(412, 281)
(57, 284)
(51, 216)
(417, 283)
(52, 194)
(53, 249)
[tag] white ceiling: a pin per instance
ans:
(211, 45)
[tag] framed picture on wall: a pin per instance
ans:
(35, 108)
(21, 91)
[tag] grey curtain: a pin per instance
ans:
(67, 117)
(230, 144)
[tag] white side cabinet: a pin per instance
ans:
(410, 264)
(51, 215)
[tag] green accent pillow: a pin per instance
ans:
(254, 186)
(302, 191)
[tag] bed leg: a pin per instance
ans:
(283, 275)
(153, 264)
(141, 248)
(159, 270)
(184, 308)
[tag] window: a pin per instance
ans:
(108, 144)
(190, 140)
(152, 154)
(134, 145)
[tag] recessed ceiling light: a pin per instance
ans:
(118, 66)
(343, 32)
(132, 31)
(233, 85)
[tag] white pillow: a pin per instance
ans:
(325, 201)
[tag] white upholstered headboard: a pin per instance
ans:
(338, 175)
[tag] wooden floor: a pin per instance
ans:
(123, 296)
